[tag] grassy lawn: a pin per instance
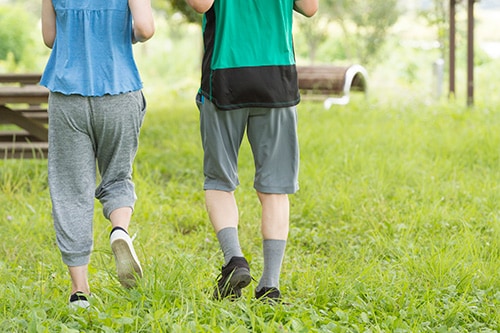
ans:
(396, 226)
(395, 229)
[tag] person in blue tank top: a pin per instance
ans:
(249, 84)
(96, 109)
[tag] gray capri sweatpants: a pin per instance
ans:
(83, 132)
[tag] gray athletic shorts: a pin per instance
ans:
(272, 134)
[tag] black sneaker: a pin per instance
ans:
(270, 295)
(78, 300)
(234, 276)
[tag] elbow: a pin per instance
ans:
(306, 8)
(313, 12)
(200, 7)
(49, 41)
(309, 12)
(144, 33)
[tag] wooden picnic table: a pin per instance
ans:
(23, 104)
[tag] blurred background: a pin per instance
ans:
(403, 44)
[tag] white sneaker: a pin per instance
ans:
(128, 267)
(79, 300)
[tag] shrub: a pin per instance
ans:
(16, 34)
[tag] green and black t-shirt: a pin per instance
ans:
(249, 58)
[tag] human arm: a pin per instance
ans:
(306, 7)
(143, 22)
(201, 6)
(48, 23)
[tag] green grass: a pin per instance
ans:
(395, 229)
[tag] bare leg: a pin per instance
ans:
(222, 209)
(121, 217)
(127, 263)
(223, 213)
(275, 225)
(79, 274)
(79, 280)
(275, 215)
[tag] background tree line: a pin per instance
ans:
(359, 28)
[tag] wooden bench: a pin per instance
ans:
(326, 80)
(23, 114)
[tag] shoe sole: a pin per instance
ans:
(127, 265)
(240, 278)
(80, 304)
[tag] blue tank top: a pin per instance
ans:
(92, 53)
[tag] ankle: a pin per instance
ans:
(118, 228)
(79, 290)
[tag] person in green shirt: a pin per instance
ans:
(249, 83)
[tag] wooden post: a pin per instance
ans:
(470, 52)
(452, 49)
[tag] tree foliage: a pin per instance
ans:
(179, 6)
(365, 24)
(15, 32)
(437, 16)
